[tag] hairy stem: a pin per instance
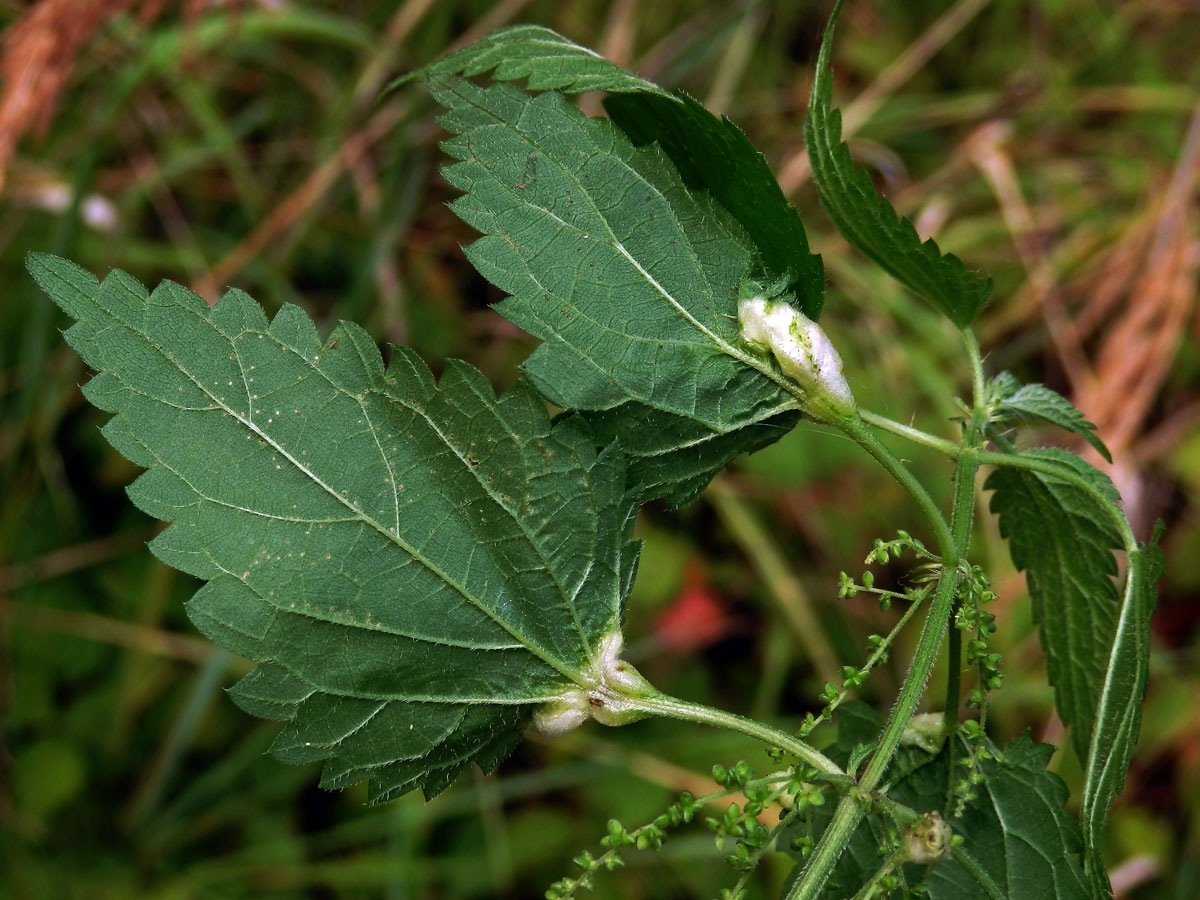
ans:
(953, 699)
(978, 385)
(978, 872)
(953, 542)
(871, 888)
(972, 443)
(851, 809)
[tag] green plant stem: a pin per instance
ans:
(954, 546)
(972, 443)
(978, 872)
(884, 648)
(978, 383)
(674, 708)
(851, 809)
(856, 428)
(916, 435)
(871, 888)
(953, 699)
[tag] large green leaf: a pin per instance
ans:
(869, 222)
(1063, 539)
(413, 565)
(711, 152)
(676, 458)
(1015, 829)
(714, 155)
(1062, 528)
(629, 278)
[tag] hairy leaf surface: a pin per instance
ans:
(413, 565)
(1015, 829)
(1037, 403)
(714, 155)
(1063, 539)
(630, 279)
(869, 222)
(711, 152)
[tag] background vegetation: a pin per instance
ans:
(1055, 144)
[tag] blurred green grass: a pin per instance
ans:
(249, 147)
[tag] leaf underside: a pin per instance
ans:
(412, 565)
(1064, 541)
(629, 279)
(1119, 716)
(869, 222)
(1096, 638)
(711, 152)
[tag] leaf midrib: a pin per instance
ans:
(532, 646)
(745, 358)
(1092, 782)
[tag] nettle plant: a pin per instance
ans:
(421, 569)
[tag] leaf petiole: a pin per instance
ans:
(659, 704)
(916, 435)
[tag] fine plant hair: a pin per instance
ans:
(421, 569)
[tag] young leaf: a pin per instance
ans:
(1015, 830)
(1012, 400)
(629, 278)
(869, 222)
(413, 565)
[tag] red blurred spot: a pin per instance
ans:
(696, 619)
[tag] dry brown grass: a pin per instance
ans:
(40, 51)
